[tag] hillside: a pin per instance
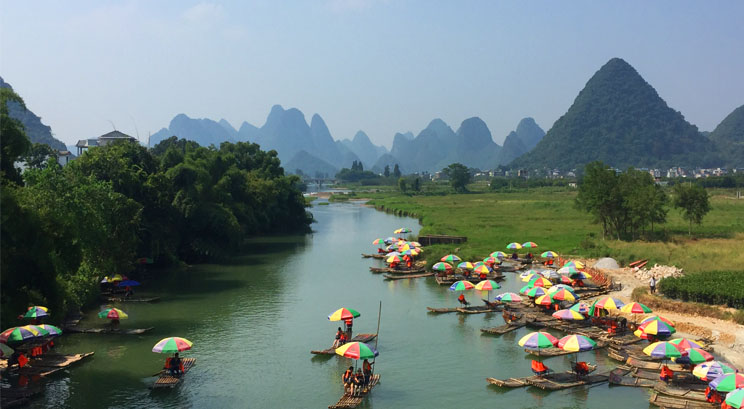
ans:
(729, 138)
(36, 131)
(521, 140)
(620, 119)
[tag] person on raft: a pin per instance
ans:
(515, 256)
(666, 374)
(581, 369)
(348, 379)
(539, 368)
(174, 365)
(461, 299)
(357, 382)
(339, 334)
(349, 323)
(367, 371)
(528, 256)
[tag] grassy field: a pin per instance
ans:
(547, 217)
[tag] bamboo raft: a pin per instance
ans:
(525, 381)
(130, 299)
(503, 329)
(689, 392)
(413, 270)
(652, 366)
(166, 380)
(478, 309)
(451, 278)
(672, 402)
(58, 360)
(563, 380)
(621, 376)
(441, 310)
(406, 276)
(108, 330)
(375, 255)
(548, 352)
(358, 338)
(349, 401)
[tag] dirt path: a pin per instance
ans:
(728, 336)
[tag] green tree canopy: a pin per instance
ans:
(459, 176)
(692, 200)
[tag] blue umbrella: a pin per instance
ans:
(128, 283)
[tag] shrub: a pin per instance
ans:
(707, 287)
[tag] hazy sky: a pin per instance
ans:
(380, 66)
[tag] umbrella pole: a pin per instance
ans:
(377, 338)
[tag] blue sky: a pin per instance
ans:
(380, 66)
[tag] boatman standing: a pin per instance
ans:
(652, 284)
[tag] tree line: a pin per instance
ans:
(65, 227)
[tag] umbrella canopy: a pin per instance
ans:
(357, 350)
(415, 244)
(635, 308)
(394, 259)
(128, 283)
(461, 285)
(609, 303)
(533, 291)
(378, 241)
(580, 307)
(343, 314)
(509, 297)
(657, 318)
(549, 254)
(568, 270)
(5, 350)
(36, 311)
(113, 313)
(550, 274)
(451, 258)
(576, 343)
(568, 315)
(545, 300)
(529, 245)
(465, 265)
(481, 269)
(498, 254)
(527, 276)
(51, 329)
(709, 371)
(566, 287)
(564, 295)
(728, 382)
(491, 260)
(694, 356)
(564, 279)
(735, 398)
(579, 276)
(171, 345)
(663, 349)
(578, 264)
(487, 285)
(402, 230)
(538, 340)
(441, 267)
(658, 328)
(514, 246)
(540, 282)
(685, 343)
(20, 334)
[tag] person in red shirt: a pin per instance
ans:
(539, 368)
(666, 374)
(461, 299)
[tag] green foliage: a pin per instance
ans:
(396, 171)
(14, 143)
(706, 287)
(729, 137)
(356, 174)
(692, 200)
(39, 156)
(459, 176)
(402, 185)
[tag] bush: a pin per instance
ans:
(708, 287)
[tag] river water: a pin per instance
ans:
(254, 322)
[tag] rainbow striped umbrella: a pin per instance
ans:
(491, 260)
(498, 254)
(549, 274)
(663, 349)
(658, 328)
(465, 265)
(549, 254)
(568, 270)
(609, 303)
(564, 279)
(576, 343)
(37, 311)
(451, 258)
(403, 247)
(51, 329)
(694, 356)
(394, 259)
(481, 269)
(540, 282)
(728, 382)
(562, 287)
(402, 230)
(487, 285)
(533, 291)
(357, 350)
(529, 245)
(379, 241)
(578, 264)
(709, 371)
(509, 297)
(415, 244)
(19, 334)
(579, 276)
(545, 300)
(685, 343)
(514, 246)
(635, 308)
(461, 285)
(343, 314)
(113, 313)
(171, 345)
(527, 276)
(580, 307)
(568, 315)
(441, 267)
(657, 318)
(564, 295)
(735, 398)
(538, 340)
(408, 252)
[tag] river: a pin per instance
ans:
(253, 323)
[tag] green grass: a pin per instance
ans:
(710, 288)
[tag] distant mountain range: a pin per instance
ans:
(729, 138)
(36, 131)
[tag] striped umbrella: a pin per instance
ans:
(51, 329)
(564, 279)
(465, 265)
(578, 264)
(528, 276)
(540, 282)
(441, 267)
(728, 382)
(657, 318)
(514, 246)
(343, 314)
(635, 308)
(709, 371)
(568, 270)
(694, 356)
(357, 350)
(113, 313)
(550, 274)
(498, 254)
(378, 241)
(487, 285)
(533, 291)
(171, 345)
(544, 300)
(451, 258)
(481, 269)
(562, 287)
(491, 260)
(36, 311)
(402, 230)
(19, 334)
(529, 245)
(576, 343)
(609, 303)
(580, 307)
(568, 315)
(393, 259)
(685, 343)
(461, 285)
(564, 295)
(538, 340)
(657, 328)
(509, 297)
(549, 254)
(663, 350)
(735, 398)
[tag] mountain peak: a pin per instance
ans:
(361, 137)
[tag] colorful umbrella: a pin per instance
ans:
(694, 356)
(509, 297)
(5, 350)
(728, 382)
(709, 371)
(51, 329)
(609, 303)
(578, 264)
(461, 285)
(635, 308)
(564, 279)
(498, 254)
(735, 398)
(393, 259)
(663, 349)
(527, 276)
(37, 311)
(378, 241)
(451, 258)
(568, 270)
(343, 314)
(465, 265)
(128, 283)
(564, 295)
(491, 260)
(540, 282)
(549, 274)
(545, 300)
(685, 343)
(576, 343)
(171, 345)
(568, 315)
(549, 254)
(579, 276)
(357, 350)
(481, 269)
(514, 246)
(658, 328)
(113, 313)
(415, 244)
(538, 340)
(441, 267)
(487, 285)
(566, 287)
(402, 230)
(533, 291)
(19, 334)
(529, 245)
(580, 307)
(657, 318)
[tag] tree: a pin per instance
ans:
(600, 196)
(459, 176)
(38, 155)
(692, 200)
(386, 172)
(14, 142)
(416, 186)
(396, 171)
(402, 185)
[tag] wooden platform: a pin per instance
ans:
(58, 360)
(689, 392)
(503, 329)
(563, 380)
(441, 310)
(653, 366)
(622, 376)
(413, 270)
(107, 330)
(375, 255)
(358, 338)
(671, 402)
(165, 380)
(349, 401)
(481, 309)
(129, 299)
(525, 381)
(406, 276)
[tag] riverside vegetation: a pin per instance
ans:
(64, 228)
